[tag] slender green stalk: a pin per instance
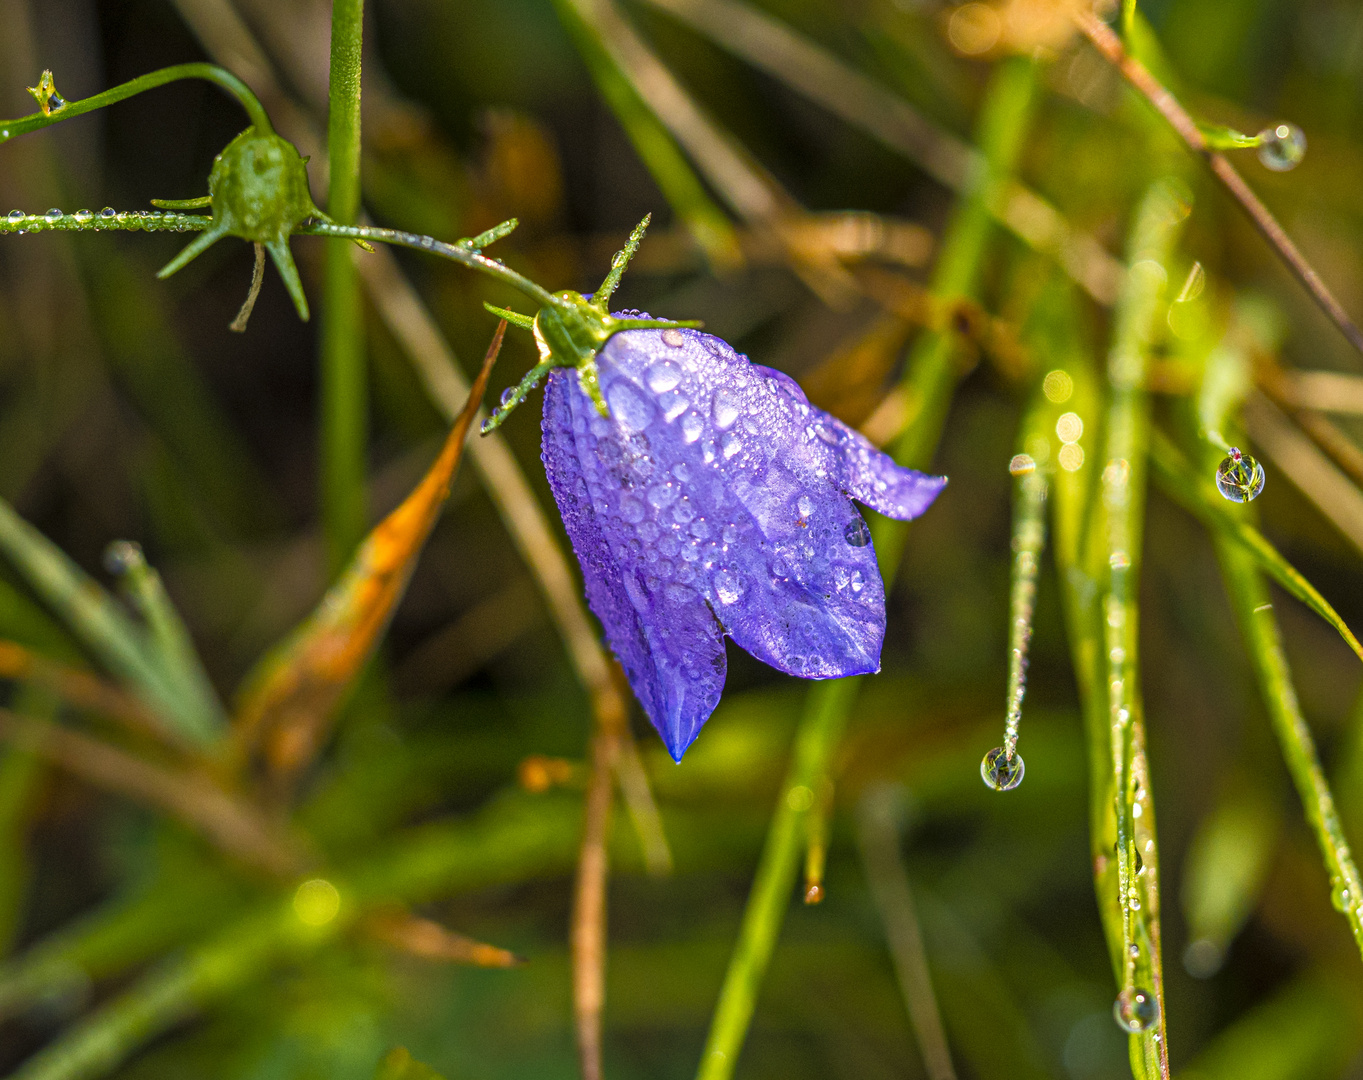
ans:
(825, 716)
(107, 220)
(1140, 1001)
(1003, 124)
(54, 113)
(678, 182)
(344, 403)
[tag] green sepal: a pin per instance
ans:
(515, 318)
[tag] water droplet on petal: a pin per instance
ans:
(673, 405)
(730, 533)
(1135, 1010)
(857, 533)
(681, 471)
(673, 338)
(805, 505)
(632, 510)
(1001, 772)
(1282, 147)
(684, 511)
(663, 494)
(692, 427)
(731, 444)
(726, 408)
(629, 408)
(1239, 477)
(663, 376)
(728, 586)
(857, 581)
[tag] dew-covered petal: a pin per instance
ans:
(667, 641)
(800, 588)
(715, 499)
(852, 462)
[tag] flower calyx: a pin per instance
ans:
(258, 191)
(571, 331)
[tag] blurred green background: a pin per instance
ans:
(128, 411)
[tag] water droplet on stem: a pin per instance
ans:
(1282, 147)
(1000, 771)
(1135, 1010)
(1239, 477)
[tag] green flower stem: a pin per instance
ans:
(516, 839)
(1003, 124)
(210, 72)
(462, 251)
(678, 182)
(344, 381)
(1123, 493)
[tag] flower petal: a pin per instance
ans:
(666, 639)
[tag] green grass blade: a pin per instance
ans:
(930, 379)
(169, 639)
(678, 182)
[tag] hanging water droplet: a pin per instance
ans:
(1239, 477)
(1001, 772)
(1135, 1010)
(857, 533)
(55, 101)
(507, 395)
(1282, 146)
(1022, 464)
(1340, 897)
(53, 215)
(1058, 386)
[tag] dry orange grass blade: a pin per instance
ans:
(291, 697)
(82, 690)
(429, 940)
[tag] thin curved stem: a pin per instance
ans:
(467, 255)
(1136, 73)
(150, 81)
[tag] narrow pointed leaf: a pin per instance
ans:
(1197, 495)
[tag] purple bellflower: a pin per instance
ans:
(715, 499)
